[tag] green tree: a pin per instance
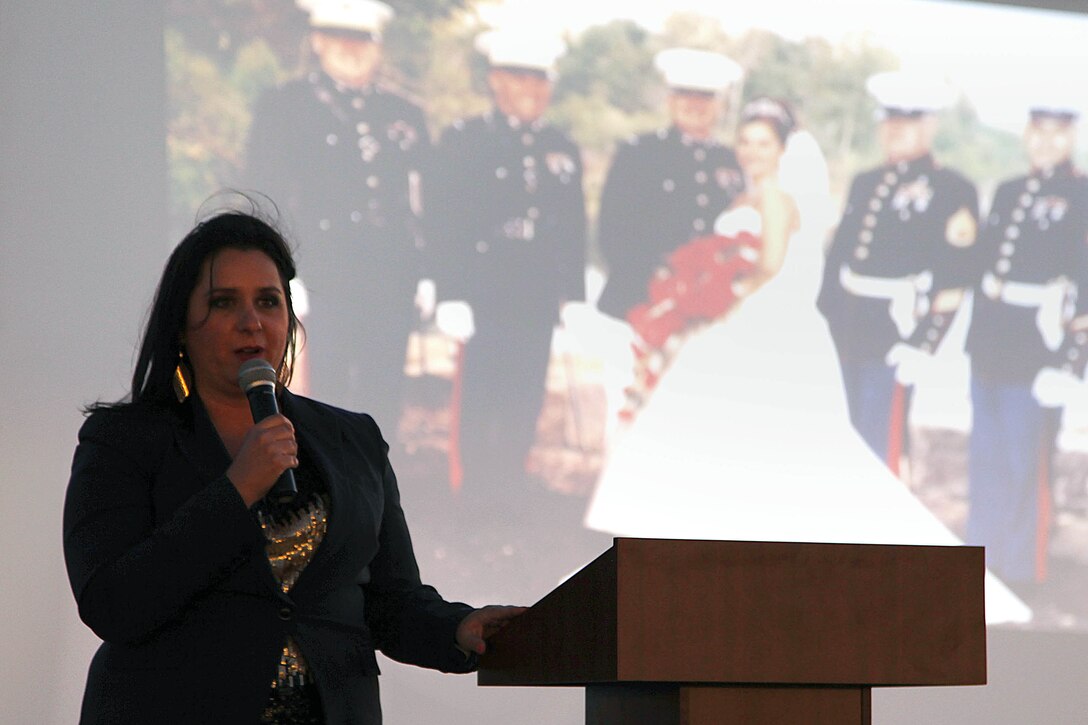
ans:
(208, 119)
(453, 84)
(410, 41)
(611, 63)
(986, 155)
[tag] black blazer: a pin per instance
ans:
(168, 567)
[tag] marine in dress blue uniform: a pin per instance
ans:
(1026, 321)
(667, 187)
(507, 210)
(343, 157)
(898, 263)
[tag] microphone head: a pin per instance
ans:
(256, 372)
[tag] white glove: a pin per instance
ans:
(454, 319)
(1053, 388)
(910, 363)
(901, 310)
(425, 298)
(1051, 317)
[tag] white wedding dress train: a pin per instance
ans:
(747, 437)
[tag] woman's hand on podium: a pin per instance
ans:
(474, 629)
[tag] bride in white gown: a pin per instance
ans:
(747, 434)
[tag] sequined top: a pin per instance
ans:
(292, 535)
(293, 538)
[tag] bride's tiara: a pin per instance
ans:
(769, 109)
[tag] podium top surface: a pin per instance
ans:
(653, 610)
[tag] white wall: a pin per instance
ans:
(82, 204)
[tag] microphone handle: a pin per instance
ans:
(284, 489)
(262, 403)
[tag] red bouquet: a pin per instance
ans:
(696, 287)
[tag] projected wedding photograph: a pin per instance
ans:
(686, 270)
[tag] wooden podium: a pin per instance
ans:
(666, 632)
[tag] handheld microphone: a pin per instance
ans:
(257, 379)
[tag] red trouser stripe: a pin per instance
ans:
(1042, 524)
(896, 423)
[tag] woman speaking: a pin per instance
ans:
(215, 602)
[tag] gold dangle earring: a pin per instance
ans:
(181, 378)
(282, 375)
